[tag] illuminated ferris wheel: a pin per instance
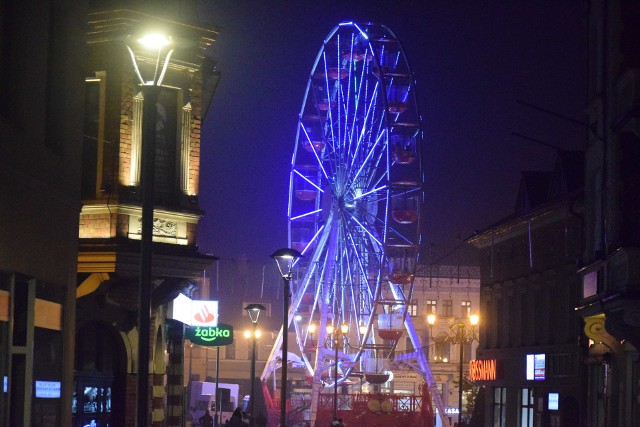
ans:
(354, 211)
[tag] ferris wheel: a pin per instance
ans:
(354, 209)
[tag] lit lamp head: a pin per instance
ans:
(254, 310)
(344, 329)
(312, 328)
(431, 319)
(155, 43)
(330, 329)
(474, 319)
(362, 329)
(286, 258)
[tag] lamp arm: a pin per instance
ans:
(135, 65)
(164, 67)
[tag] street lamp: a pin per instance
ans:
(336, 336)
(150, 90)
(253, 310)
(461, 332)
(286, 259)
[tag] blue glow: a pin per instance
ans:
(366, 230)
(315, 236)
(304, 215)
(366, 160)
(370, 192)
(308, 180)
(315, 154)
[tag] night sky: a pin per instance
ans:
(473, 61)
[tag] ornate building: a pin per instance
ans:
(110, 227)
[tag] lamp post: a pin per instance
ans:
(337, 336)
(253, 310)
(286, 259)
(150, 89)
(461, 332)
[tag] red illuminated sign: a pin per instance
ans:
(482, 370)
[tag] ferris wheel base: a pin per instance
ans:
(359, 409)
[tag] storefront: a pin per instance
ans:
(529, 388)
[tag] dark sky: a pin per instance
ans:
(472, 60)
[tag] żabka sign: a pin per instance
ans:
(210, 336)
(482, 370)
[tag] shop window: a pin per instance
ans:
(499, 406)
(526, 408)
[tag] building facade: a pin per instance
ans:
(41, 90)
(530, 334)
(452, 294)
(109, 261)
(610, 291)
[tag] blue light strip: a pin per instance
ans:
(324, 172)
(370, 192)
(315, 236)
(366, 230)
(305, 215)
(364, 163)
(308, 180)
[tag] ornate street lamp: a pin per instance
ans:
(156, 44)
(253, 310)
(461, 332)
(337, 337)
(286, 259)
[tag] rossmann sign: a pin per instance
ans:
(482, 370)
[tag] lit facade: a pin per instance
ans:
(110, 220)
(452, 293)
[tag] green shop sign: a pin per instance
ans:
(210, 336)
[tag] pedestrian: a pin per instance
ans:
(340, 422)
(206, 420)
(236, 419)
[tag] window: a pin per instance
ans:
(526, 407)
(447, 308)
(442, 349)
(499, 403)
(466, 309)
(412, 309)
(431, 306)
(93, 146)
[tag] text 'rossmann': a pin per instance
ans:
(482, 370)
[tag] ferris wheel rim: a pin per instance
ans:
(322, 231)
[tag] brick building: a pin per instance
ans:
(110, 220)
